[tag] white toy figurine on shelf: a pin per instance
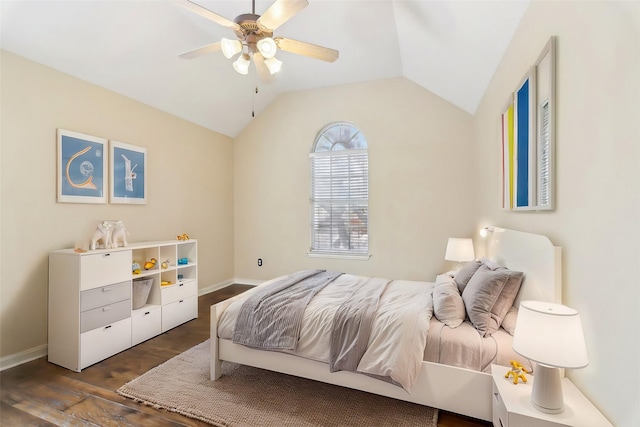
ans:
(109, 232)
(118, 234)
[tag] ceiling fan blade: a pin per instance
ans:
(213, 47)
(261, 68)
(280, 12)
(307, 49)
(206, 13)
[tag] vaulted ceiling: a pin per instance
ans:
(450, 48)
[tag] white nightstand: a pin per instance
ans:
(512, 405)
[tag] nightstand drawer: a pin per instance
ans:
(500, 414)
(104, 268)
(104, 295)
(102, 316)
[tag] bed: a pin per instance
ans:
(461, 390)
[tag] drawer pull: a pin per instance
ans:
(181, 300)
(181, 284)
(106, 308)
(146, 312)
(107, 327)
(107, 254)
(106, 289)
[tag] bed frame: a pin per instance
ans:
(457, 390)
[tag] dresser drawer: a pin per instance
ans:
(104, 268)
(179, 291)
(145, 323)
(105, 295)
(102, 316)
(103, 342)
(178, 312)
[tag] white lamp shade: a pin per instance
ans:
(273, 64)
(230, 47)
(241, 65)
(267, 47)
(459, 250)
(550, 334)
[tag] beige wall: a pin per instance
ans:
(190, 187)
(419, 179)
(598, 179)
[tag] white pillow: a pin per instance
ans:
(448, 306)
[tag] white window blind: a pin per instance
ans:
(339, 202)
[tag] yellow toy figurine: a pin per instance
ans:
(183, 237)
(517, 371)
(150, 264)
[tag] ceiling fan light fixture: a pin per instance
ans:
(273, 64)
(230, 47)
(267, 47)
(241, 65)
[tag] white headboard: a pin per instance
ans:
(533, 254)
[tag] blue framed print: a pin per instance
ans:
(81, 167)
(128, 174)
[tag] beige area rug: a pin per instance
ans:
(246, 396)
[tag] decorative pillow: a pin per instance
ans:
(466, 272)
(447, 302)
(490, 263)
(509, 321)
(488, 296)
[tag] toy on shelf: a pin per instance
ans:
(183, 261)
(150, 264)
(110, 232)
(135, 268)
(517, 371)
(166, 283)
(165, 264)
(184, 236)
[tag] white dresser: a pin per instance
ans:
(91, 316)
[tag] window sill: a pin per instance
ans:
(363, 257)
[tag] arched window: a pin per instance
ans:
(340, 191)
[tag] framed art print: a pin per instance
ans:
(81, 168)
(128, 174)
(528, 139)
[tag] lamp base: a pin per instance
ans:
(547, 390)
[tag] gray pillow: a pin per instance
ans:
(447, 303)
(465, 273)
(488, 296)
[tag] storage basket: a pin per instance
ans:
(141, 289)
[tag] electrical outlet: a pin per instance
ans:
(259, 262)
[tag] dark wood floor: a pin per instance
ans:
(39, 393)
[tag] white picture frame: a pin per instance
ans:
(127, 173)
(81, 168)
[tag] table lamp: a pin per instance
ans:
(550, 335)
(459, 250)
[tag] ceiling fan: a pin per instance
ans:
(255, 38)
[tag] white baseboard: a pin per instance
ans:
(12, 360)
(248, 281)
(228, 282)
(215, 287)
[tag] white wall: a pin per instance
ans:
(420, 179)
(190, 187)
(598, 180)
